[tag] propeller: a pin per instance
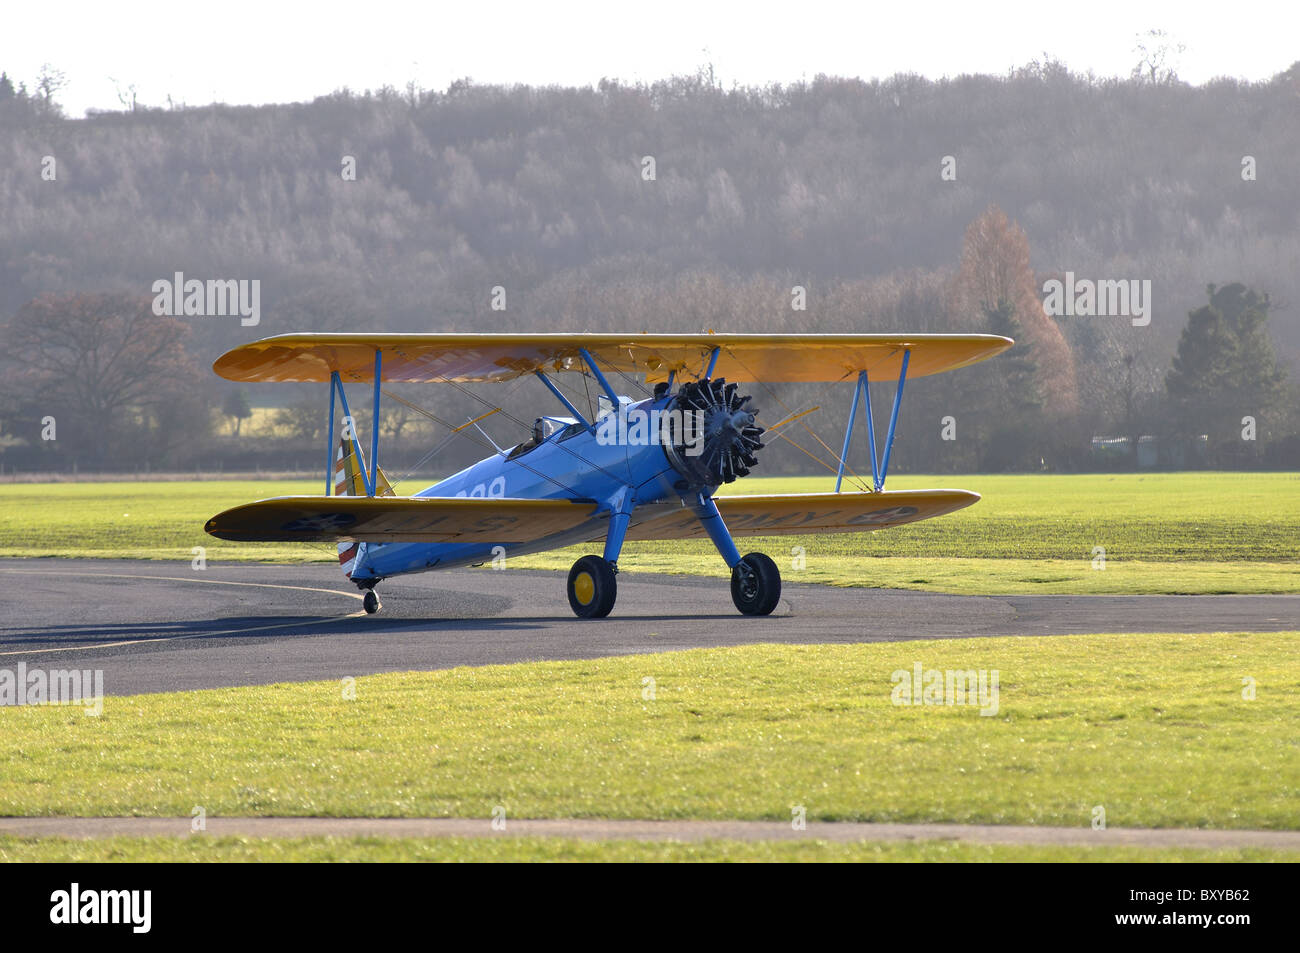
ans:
(730, 440)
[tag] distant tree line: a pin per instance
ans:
(675, 205)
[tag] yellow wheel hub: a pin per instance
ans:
(584, 588)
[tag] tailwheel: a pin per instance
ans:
(370, 602)
(592, 587)
(755, 585)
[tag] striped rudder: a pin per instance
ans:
(349, 466)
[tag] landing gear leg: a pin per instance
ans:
(755, 580)
(593, 580)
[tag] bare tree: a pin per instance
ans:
(126, 95)
(48, 84)
(1158, 52)
(105, 363)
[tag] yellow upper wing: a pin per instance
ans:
(422, 358)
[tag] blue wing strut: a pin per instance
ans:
(862, 390)
(367, 473)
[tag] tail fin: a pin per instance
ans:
(349, 466)
(348, 481)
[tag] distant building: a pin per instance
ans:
(1151, 452)
(1148, 452)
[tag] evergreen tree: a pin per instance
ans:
(1225, 367)
(1021, 392)
(1012, 400)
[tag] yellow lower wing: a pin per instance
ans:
(812, 513)
(329, 519)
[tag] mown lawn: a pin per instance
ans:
(1153, 729)
(503, 848)
(1169, 532)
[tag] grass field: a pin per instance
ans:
(1169, 532)
(505, 848)
(1154, 729)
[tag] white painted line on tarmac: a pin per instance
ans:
(190, 635)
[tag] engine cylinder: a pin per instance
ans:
(713, 437)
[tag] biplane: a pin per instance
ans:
(643, 469)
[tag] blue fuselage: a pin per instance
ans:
(570, 463)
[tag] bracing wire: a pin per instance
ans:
(569, 450)
(462, 429)
(849, 471)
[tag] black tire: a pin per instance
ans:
(755, 585)
(370, 602)
(592, 588)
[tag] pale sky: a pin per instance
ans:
(242, 52)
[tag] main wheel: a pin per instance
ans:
(755, 585)
(592, 588)
(370, 602)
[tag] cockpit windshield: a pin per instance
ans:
(543, 429)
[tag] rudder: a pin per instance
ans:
(349, 467)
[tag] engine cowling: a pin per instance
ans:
(714, 438)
